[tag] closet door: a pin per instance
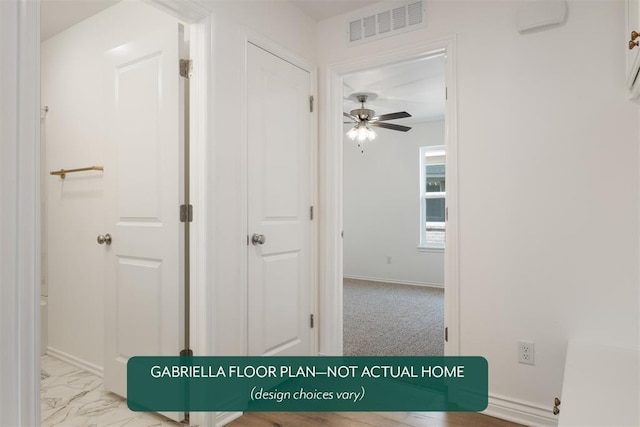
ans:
(279, 197)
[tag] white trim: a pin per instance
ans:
(433, 151)
(76, 361)
(434, 249)
(394, 281)
(451, 262)
(276, 49)
(198, 132)
(28, 186)
(315, 229)
(331, 253)
(244, 201)
(201, 122)
(519, 411)
(437, 153)
(224, 418)
(20, 213)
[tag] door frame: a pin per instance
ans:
(21, 193)
(331, 252)
(288, 56)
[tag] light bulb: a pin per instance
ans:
(363, 133)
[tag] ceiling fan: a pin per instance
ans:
(365, 118)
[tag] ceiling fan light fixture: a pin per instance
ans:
(362, 132)
(365, 118)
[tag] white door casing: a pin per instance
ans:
(144, 101)
(331, 255)
(279, 199)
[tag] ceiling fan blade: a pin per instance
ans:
(351, 116)
(390, 126)
(391, 116)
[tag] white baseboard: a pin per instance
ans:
(224, 418)
(399, 282)
(76, 361)
(520, 412)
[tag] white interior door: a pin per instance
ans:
(143, 175)
(279, 197)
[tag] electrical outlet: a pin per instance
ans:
(527, 352)
(388, 260)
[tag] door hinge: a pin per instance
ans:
(311, 104)
(446, 213)
(446, 334)
(311, 321)
(187, 352)
(311, 213)
(186, 213)
(446, 93)
(186, 68)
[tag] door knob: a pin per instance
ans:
(104, 239)
(258, 239)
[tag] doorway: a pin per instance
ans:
(115, 114)
(334, 258)
(393, 216)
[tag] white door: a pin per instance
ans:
(143, 178)
(279, 197)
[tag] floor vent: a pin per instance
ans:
(385, 20)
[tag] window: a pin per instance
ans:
(432, 197)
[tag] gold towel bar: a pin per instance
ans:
(64, 172)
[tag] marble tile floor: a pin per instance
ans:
(72, 397)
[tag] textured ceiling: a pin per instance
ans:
(417, 87)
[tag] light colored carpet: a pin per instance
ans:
(385, 319)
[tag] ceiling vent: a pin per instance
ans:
(385, 20)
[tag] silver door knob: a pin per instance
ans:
(104, 239)
(258, 239)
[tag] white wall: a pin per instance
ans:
(381, 197)
(72, 87)
(548, 183)
(290, 28)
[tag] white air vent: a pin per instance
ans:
(386, 19)
(369, 26)
(384, 22)
(414, 13)
(399, 17)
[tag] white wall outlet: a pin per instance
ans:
(388, 259)
(526, 352)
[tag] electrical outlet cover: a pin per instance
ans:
(526, 352)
